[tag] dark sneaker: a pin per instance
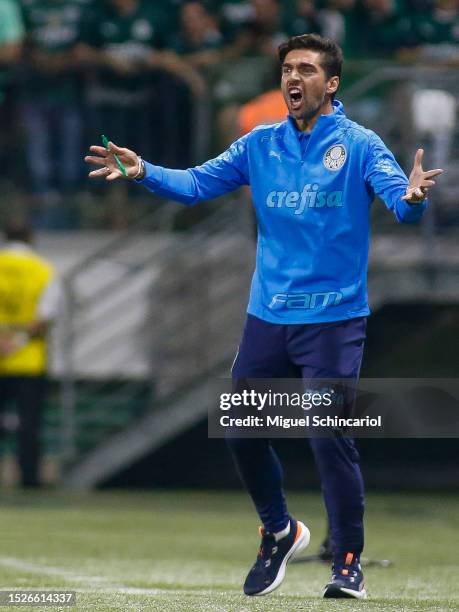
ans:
(269, 568)
(347, 579)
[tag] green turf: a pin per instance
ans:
(190, 551)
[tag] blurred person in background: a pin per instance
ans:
(380, 29)
(302, 17)
(11, 38)
(199, 39)
(235, 14)
(199, 43)
(330, 18)
(250, 24)
(269, 107)
(436, 32)
(51, 108)
(337, 19)
(442, 24)
(29, 303)
(262, 33)
(132, 85)
(250, 55)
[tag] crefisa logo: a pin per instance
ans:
(334, 157)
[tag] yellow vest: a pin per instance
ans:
(23, 277)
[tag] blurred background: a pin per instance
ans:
(153, 293)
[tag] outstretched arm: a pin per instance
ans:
(406, 198)
(215, 177)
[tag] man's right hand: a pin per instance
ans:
(110, 170)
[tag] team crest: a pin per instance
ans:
(334, 157)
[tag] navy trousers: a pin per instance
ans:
(320, 350)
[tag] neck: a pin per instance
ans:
(306, 124)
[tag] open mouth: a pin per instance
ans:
(296, 97)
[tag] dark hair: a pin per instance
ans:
(332, 56)
(18, 230)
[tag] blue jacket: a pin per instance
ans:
(312, 195)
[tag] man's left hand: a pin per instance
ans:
(420, 180)
(11, 342)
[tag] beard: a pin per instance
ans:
(311, 109)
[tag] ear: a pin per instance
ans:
(333, 85)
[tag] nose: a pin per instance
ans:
(293, 82)
(294, 75)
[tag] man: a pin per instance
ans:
(51, 109)
(313, 178)
(11, 37)
(123, 46)
(29, 298)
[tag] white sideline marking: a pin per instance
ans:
(124, 590)
(36, 568)
(101, 584)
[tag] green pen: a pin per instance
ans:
(117, 159)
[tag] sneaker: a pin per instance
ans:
(269, 569)
(347, 579)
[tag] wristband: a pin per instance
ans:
(141, 172)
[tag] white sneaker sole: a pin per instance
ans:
(356, 594)
(298, 546)
(348, 593)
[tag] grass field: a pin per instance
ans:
(190, 551)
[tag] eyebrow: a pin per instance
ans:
(300, 65)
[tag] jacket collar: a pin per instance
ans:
(322, 122)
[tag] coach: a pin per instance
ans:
(313, 178)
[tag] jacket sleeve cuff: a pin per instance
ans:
(153, 176)
(410, 213)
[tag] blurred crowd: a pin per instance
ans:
(71, 70)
